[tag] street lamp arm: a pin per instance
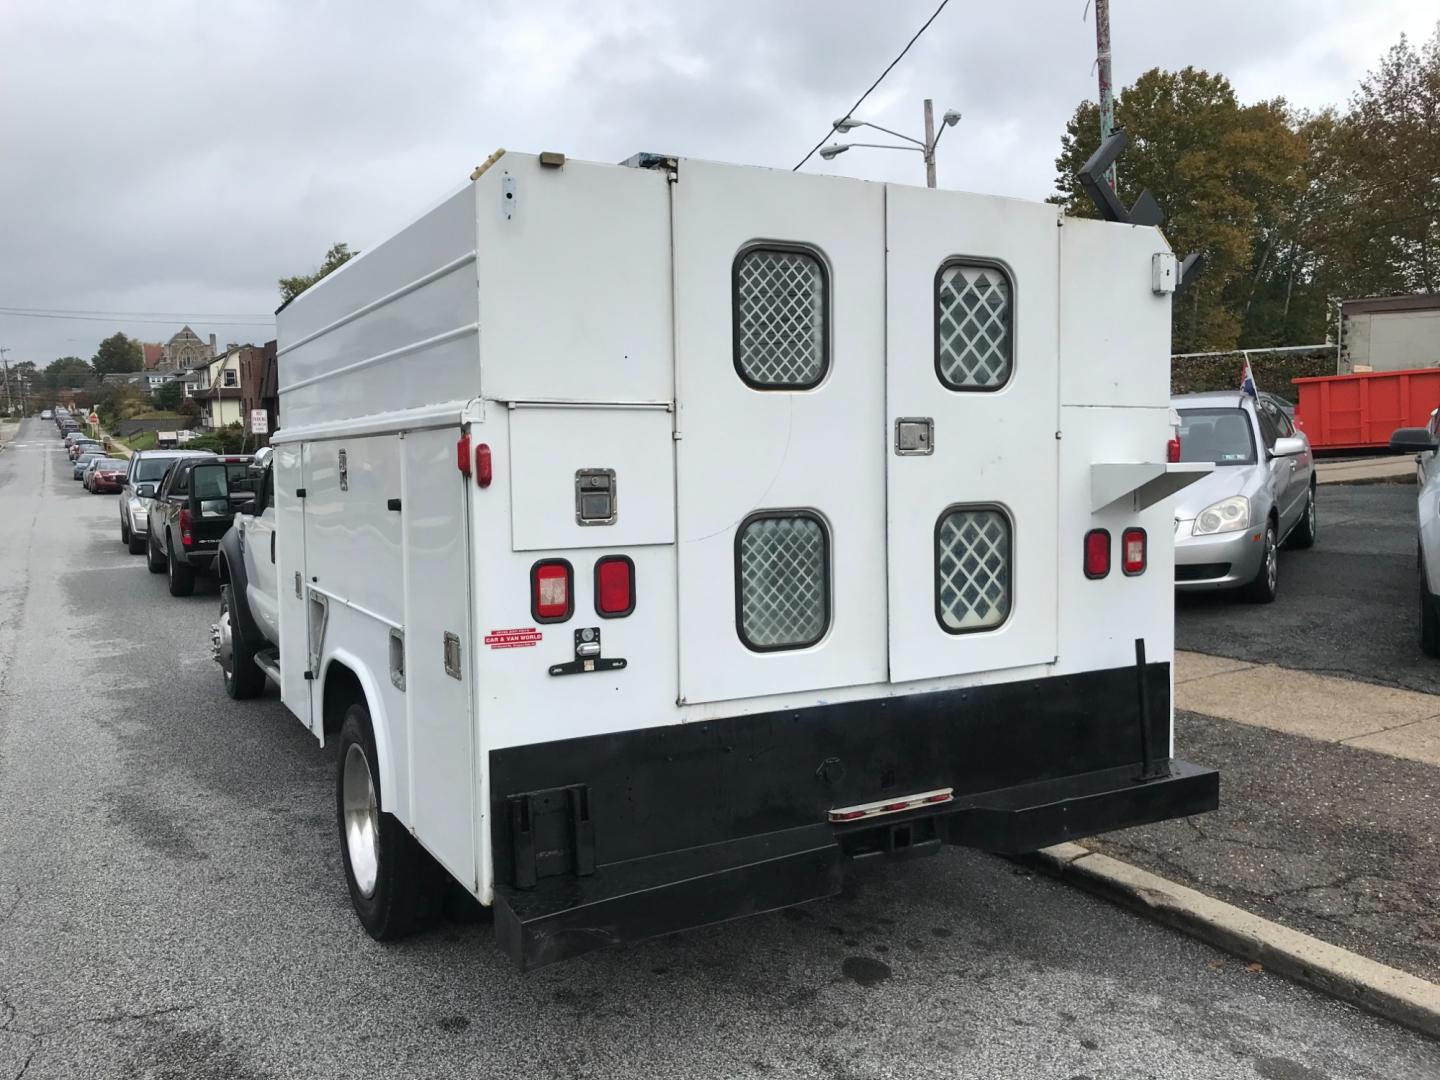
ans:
(887, 131)
(919, 147)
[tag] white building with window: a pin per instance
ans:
(219, 396)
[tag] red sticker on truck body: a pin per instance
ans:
(520, 638)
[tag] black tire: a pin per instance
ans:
(125, 532)
(1306, 529)
(179, 576)
(1263, 589)
(137, 544)
(405, 893)
(243, 679)
(1429, 617)
(153, 559)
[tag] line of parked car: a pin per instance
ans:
(175, 505)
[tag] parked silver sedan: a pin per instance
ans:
(1229, 525)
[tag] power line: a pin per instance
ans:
(850, 111)
(157, 314)
(129, 318)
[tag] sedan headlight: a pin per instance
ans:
(1227, 515)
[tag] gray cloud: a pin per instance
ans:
(180, 156)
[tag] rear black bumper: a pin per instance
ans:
(616, 838)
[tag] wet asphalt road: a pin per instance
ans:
(1349, 606)
(172, 905)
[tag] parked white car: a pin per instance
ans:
(1229, 526)
(1423, 443)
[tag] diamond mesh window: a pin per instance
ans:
(782, 581)
(780, 310)
(972, 569)
(973, 316)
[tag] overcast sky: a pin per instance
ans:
(179, 156)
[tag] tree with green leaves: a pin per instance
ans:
(336, 257)
(67, 371)
(118, 353)
(168, 395)
(1226, 174)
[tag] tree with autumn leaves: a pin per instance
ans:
(1292, 210)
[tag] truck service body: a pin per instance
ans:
(684, 531)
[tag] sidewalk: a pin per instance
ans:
(1329, 819)
(1390, 469)
(8, 430)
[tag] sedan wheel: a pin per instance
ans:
(1262, 589)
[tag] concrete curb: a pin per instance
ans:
(1384, 991)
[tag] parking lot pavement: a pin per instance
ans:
(172, 905)
(1349, 606)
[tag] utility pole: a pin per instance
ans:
(929, 143)
(1102, 64)
(5, 370)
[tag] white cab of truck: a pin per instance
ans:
(658, 539)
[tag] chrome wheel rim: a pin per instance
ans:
(224, 641)
(362, 820)
(1271, 562)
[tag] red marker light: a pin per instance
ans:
(484, 468)
(551, 596)
(462, 454)
(614, 586)
(1097, 553)
(1172, 449)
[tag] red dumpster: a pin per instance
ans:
(1357, 412)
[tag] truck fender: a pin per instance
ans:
(232, 572)
(379, 724)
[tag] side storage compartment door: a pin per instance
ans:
(439, 649)
(972, 391)
(781, 380)
(289, 480)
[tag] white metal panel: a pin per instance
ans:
(1114, 329)
(744, 450)
(548, 446)
(393, 328)
(289, 475)
(444, 803)
(574, 277)
(1100, 620)
(348, 518)
(991, 448)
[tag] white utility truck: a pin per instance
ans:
(657, 538)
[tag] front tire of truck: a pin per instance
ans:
(393, 881)
(243, 678)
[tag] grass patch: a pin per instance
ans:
(141, 440)
(156, 414)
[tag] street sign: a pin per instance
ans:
(259, 422)
(93, 419)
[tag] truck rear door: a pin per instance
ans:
(972, 393)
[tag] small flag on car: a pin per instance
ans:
(1247, 379)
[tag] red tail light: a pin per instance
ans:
(614, 586)
(1132, 551)
(552, 593)
(462, 454)
(185, 521)
(1172, 449)
(1097, 553)
(484, 469)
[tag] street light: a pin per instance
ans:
(926, 148)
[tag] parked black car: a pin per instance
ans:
(190, 513)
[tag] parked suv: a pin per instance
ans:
(1230, 524)
(190, 513)
(1424, 443)
(147, 469)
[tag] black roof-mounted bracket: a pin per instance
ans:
(1190, 268)
(1146, 210)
